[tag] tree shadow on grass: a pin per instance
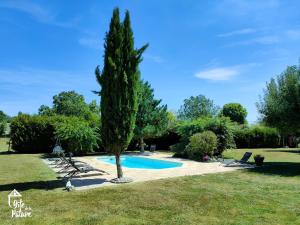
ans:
(23, 186)
(286, 169)
(9, 153)
(285, 151)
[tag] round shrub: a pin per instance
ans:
(201, 144)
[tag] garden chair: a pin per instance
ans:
(243, 160)
(82, 169)
(68, 163)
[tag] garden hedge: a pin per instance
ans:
(38, 134)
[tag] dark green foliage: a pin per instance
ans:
(280, 104)
(235, 111)
(3, 126)
(198, 106)
(222, 128)
(119, 82)
(4, 119)
(257, 136)
(219, 125)
(201, 144)
(3, 116)
(45, 111)
(152, 117)
(179, 149)
(32, 134)
(76, 135)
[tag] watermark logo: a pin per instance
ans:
(18, 208)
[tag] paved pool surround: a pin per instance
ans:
(188, 168)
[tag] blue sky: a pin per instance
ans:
(226, 50)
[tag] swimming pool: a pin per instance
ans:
(141, 162)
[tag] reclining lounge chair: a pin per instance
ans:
(243, 160)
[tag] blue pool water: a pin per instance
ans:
(140, 162)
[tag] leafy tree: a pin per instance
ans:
(3, 116)
(69, 103)
(94, 107)
(119, 82)
(45, 111)
(152, 117)
(235, 111)
(280, 104)
(196, 107)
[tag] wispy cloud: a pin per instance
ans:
(90, 42)
(293, 34)
(224, 73)
(154, 58)
(262, 40)
(42, 77)
(237, 32)
(217, 74)
(25, 89)
(37, 12)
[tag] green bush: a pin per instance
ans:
(222, 128)
(256, 136)
(32, 134)
(2, 128)
(76, 135)
(201, 144)
(219, 125)
(37, 134)
(179, 149)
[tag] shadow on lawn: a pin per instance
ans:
(287, 169)
(286, 151)
(23, 186)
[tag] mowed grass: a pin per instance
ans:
(267, 195)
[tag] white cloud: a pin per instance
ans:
(37, 12)
(218, 74)
(237, 32)
(90, 42)
(225, 73)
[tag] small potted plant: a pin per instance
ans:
(259, 160)
(205, 158)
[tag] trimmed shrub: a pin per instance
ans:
(38, 134)
(32, 134)
(257, 136)
(201, 144)
(76, 135)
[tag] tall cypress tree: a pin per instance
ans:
(119, 82)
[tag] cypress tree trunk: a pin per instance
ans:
(119, 167)
(142, 144)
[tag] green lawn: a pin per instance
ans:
(267, 195)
